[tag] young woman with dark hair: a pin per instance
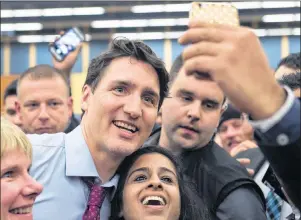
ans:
(152, 186)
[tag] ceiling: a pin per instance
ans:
(19, 18)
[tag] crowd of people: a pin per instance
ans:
(216, 137)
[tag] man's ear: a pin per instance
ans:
(70, 106)
(18, 107)
(224, 107)
(87, 92)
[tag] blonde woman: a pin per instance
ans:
(18, 189)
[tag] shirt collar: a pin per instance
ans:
(112, 184)
(79, 161)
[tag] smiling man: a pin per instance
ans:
(121, 96)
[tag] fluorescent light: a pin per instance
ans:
(279, 32)
(28, 13)
(50, 12)
(281, 18)
(247, 5)
(147, 8)
(130, 36)
(7, 27)
(133, 23)
(182, 21)
(260, 32)
(283, 4)
(162, 22)
(150, 35)
(30, 38)
(140, 23)
(21, 27)
(28, 26)
(160, 8)
(141, 36)
(88, 11)
(48, 38)
(105, 24)
(296, 31)
(177, 7)
(177, 34)
(6, 13)
(186, 7)
(173, 34)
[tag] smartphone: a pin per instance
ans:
(214, 12)
(66, 43)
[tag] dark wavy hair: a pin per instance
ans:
(292, 80)
(192, 207)
(292, 61)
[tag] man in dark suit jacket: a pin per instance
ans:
(242, 71)
(291, 80)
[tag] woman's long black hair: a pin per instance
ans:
(192, 207)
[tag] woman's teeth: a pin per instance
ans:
(21, 210)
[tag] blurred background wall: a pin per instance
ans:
(279, 35)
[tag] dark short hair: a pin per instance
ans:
(291, 61)
(192, 207)
(43, 71)
(123, 47)
(230, 113)
(175, 69)
(11, 89)
(292, 80)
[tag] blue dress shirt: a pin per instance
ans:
(60, 161)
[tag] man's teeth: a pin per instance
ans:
(21, 210)
(126, 126)
(147, 200)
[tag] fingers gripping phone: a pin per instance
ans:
(66, 43)
(214, 12)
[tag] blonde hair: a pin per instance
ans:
(13, 138)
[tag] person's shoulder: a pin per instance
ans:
(47, 150)
(47, 140)
(220, 156)
(253, 207)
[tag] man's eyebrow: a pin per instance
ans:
(151, 91)
(213, 101)
(122, 82)
(148, 90)
(54, 99)
(186, 92)
(29, 101)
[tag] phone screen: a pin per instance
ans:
(66, 43)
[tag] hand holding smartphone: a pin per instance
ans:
(211, 12)
(66, 43)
